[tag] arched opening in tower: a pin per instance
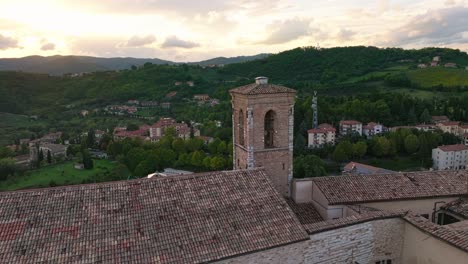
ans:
(270, 118)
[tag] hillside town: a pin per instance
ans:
(256, 212)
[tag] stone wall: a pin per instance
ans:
(362, 243)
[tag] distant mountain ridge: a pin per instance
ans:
(59, 65)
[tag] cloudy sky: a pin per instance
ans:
(189, 30)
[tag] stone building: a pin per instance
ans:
(263, 121)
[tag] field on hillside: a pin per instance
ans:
(439, 76)
(12, 125)
(60, 174)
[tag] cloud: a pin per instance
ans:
(48, 46)
(8, 42)
(449, 2)
(137, 41)
(435, 27)
(174, 42)
(345, 35)
(288, 30)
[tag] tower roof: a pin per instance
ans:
(261, 86)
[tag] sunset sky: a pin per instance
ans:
(187, 30)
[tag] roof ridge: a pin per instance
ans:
(131, 181)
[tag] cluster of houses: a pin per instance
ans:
(326, 133)
(444, 157)
(154, 132)
(444, 124)
(189, 83)
(203, 99)
(436, 61)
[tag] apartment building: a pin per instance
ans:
(324, 134)
(452, 157)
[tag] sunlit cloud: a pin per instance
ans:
(8, 42)
(194, 30)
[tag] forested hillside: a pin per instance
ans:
(348, 70)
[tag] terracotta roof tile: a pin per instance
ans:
(305, 212)
(457, 147)
(254, 88)
(349, 122)
(180, 219)
(459, 207)
(349, 189)
(454, 236)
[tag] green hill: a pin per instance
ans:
(306, 69)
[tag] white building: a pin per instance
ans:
(324, 134)
(372, 129)
(453, 157)
(348, 127)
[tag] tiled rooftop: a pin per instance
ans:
(349, 189)
(180, 219)
(458, 237)
(458, 207)
(305, 212)
(359, 168)
(254, 88)
(456, 147)
(350, 220)
(349, 122)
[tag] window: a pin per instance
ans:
(269, 127)
(241, 127)
(385, 261)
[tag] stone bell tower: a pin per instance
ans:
(263, 121)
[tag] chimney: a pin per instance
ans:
(261, 80)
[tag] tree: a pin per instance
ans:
(381, 147)
(411, 144)
(207, 162)
(134, 157)
(178, 145)
(49, 157)
(87, 160)
(339, 154)
(132, 127)
(197, 159)
(143, 169)
(90, 138)
(359, 149)
(222, 148)
(41, 155)
(425, 116)
(7, 168)
(217, 163)
(309, 166)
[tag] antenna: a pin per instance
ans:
(314, 111)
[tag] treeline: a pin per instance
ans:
(334, 65)
(142, 158)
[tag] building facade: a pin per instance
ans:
(449, 127)
(324, 134)
(348, 127)
(263, 119)
(372, 129)
(450, 157)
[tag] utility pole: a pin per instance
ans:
(314, 111)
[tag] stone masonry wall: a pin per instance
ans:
(361, 243)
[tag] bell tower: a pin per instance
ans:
(263, 122)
